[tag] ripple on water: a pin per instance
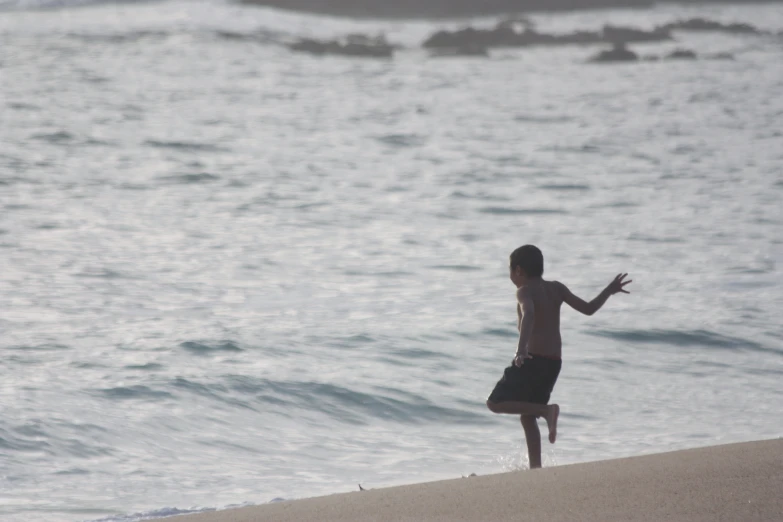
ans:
(345, 404)
(57, 138)
(402, 140)
(534, 118)
(702, 338)
(457, 268)
(565, 187)
(189, 179)
(135, 392)
(210, 348)
(186, 146)
(144, 367)
(505, 211)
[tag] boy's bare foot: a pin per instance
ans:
(553, 411)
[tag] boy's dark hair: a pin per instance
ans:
(530, 259)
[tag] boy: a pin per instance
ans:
(527, 384)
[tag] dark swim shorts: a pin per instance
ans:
(533, 382)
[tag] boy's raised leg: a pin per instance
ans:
(533, 440)
(553, 412)
(550, 413)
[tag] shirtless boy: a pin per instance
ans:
(527, 384)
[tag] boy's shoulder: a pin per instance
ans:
(559, 287)
(532, 287)
(528, 291)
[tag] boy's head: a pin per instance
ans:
(526, 261)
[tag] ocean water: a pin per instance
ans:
(231, 274)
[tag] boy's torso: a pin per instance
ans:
(547, 299)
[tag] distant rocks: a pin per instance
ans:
(681, 54)
(355, 45)
(721, 56)
(518, 34)
(618, 53)
(702, 24)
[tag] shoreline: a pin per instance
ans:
(458, 9)
(739, 481)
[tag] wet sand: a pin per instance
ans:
(734, 482)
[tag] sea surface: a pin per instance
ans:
(231, 274)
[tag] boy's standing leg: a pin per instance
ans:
(533, 440)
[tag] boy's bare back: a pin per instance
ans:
(542, 300)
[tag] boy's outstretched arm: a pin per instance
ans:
(616, 286)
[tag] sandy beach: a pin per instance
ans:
(734, 482)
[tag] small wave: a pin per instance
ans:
(54, 438)
(103, 273)
(41, 347)
(584, 149)
(259, 36)
(457, 268)
(499, 332)
(188, 146)
(99, 143)
(686, 338)
(145, 367)
(188, 179)
(130, 37)
(133, 392)
(205, 349)
(652, 239)
(359, 339)
(48, 226)
(132, 186)
(403, 140)
(458, 194)
(416, 354)
(519, 211)
(347, 405)
(530, 118)
(21, 106)
(73, 471)
(15, 443)
(646, 157)
(764, 371)
(617, 204)
(212, 391)
(494, 332)
(66, 138)
(564, 186)
(54, 137)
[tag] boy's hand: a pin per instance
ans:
(618, 284)
(519, 359)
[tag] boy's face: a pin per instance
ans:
(517, 276)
